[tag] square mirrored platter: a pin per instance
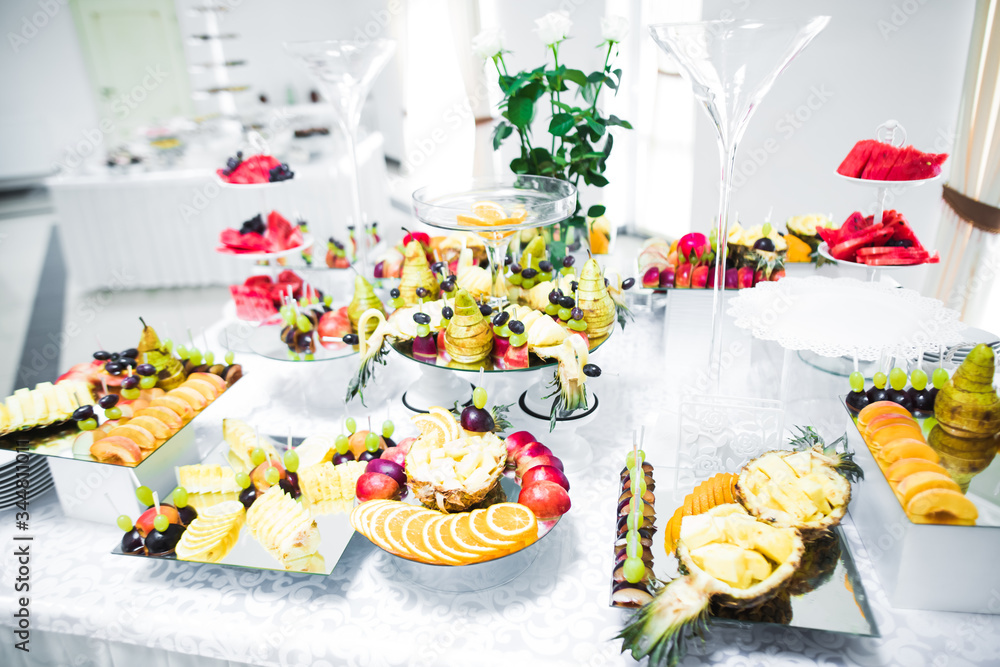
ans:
(829, 597)
(334, 529)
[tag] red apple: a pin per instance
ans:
(545, 474)
(516, 440)
(376, 486)
(405, 444)
(388, 468)
(547, 500)
(258, 475)
(145, 521)
(393, 454)
(531, 450)
(524, 464)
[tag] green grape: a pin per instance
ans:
(243, 480)
(147, 382)
(145, 495)
(130, 394)
(182, 352)
(918, 379)
(939, 377)
(291, 460)
(879, 380)
(351, 425)
(87, 424)
(168, 345)
(632, 539)
(161, 522)
(502, 331)
(180, 497)
(271, 476)
(423, 330)
(517, 340)
(479, 397)
(515, 279)
(640, 486)
(210, 357)
(372, 442)
(634, 570)
(857, 381)
(113, 413)
(897, 378)
(257, 456)
(527, 283)
(125, 522)
(388, 428)
(398, 302)
(633, 521)
(630, 459)
(303, 324)
(635, 504)
(565, 314)
(194, 356)
(566, 270)
(577, 325)
(230, 358)
(328, 300)
(633, 551)
(342, 443)
(310, 356)
(444, 322)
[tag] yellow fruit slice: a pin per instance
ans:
(489, 211)
(433, 544)
(224, 509)
(444, 536)
(908, 448)
(513, 521)
(922, 481)
(361, 515)
(413, 535)
(481, 529)
(202, 387)
(388, 529)
(943, 501)
(886, 435)
(465, 538)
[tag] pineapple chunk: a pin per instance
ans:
(775, 468)
(741, 533)
(812, 486)
(725, 562)
(756, 564)
(775, 543)
(800, 462)
(698, 530)
(792, 500)
(729, 509)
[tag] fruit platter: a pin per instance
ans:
(257, 240)
(862, 242)
(255, 170)
(439, 318)
(120, 408)
(762, 545)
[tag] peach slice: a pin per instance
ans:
(942, 519)
(887, 419)
(179, 406)
(137, 434)
(211, 378)
(204, 388)
(905, 467)
(150, 394)
(908, 448)
(946, 501)
(139, 404)
(116, 449)
(159, 430)
(191, 396)
(165, 415)
(887, 434)
(872, 410)
(922, 481)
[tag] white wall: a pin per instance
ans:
(873, 62)
(47, 98)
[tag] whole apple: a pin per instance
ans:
(405, 444)
(531, 450)
(375, 486)
(525, 464)
(545, 474)
(395, 455)
(547, 500)
(516, 440)
(386, 467)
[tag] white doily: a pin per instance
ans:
(837, 317)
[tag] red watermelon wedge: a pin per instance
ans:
(856, 160)
(881, 161)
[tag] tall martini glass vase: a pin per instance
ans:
(731, 65)
(345, 71)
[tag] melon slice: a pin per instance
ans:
(922, 481)
(905, 467)
(908, 448)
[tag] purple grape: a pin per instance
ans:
(131, 382)
(367, 456)
(102, 355)
(81, 413)
(249, 495)
(108, 401)
(477, 420)
(343, 458)
(132, 542)
(145, 370)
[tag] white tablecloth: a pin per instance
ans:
(176, 217)
(90, 607)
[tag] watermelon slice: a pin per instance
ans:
(847, 250)
(253, 304)
(902, 232)
(249, 242)
(917, 166)
(855, 225)
(856, 160)
(881, 161)
(831, 236)
(278, 230)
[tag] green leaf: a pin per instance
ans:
(519, 165)
(560, 124)
(565, 107)
(592, 155)
(615, 120)
(521, 111)
(610, 83)
(576, 76)
(594, 178)
(589, 93)
(540, 154)
(618, 73)
(534, 90)
(594, 77)
(596, 126)
(607, 145)
(595, 211)
(501, 132)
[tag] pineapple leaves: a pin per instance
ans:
(844, 464)
(365, 373)
(498, 412)
(660, 629)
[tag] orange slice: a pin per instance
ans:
(434, 545)
(392, 528)
(466, 539)
(489, 211)
(437, 426)
(513, 521)
(487, 535)
(362, 518)
(412, 534)
(443, 536)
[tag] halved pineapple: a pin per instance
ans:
(802, 490)
(728, 558)
(458, 474)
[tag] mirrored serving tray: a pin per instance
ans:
(833, 599)
(266, 341)
(334, 529)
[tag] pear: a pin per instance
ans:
(963, 458)
(593, 299)
(364, 299)
(416, 273)
(469, 337)
(536, 249)
(169, 369)
(968, 406)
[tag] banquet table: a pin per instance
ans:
(89, 607)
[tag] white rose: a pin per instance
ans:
(553, 27)
(614, 28)
(488, 43)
